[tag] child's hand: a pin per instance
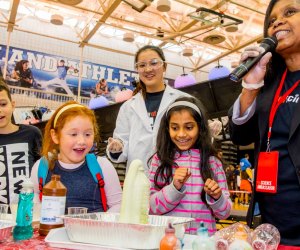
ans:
(212, 188)
(181, 175)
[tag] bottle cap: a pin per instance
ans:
(27, 183)
(170, 228)
(202, 230)
(55, 177)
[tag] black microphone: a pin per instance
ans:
(269, 44)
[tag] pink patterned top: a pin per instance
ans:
(187, 202)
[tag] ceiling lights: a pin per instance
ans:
(214, 38)
(70, 2)
(57, 19)
(138, 5)
(205, 15)
(159, 32)
(128, 37)
(232, 28)
(163, 5)
(187, 52)
(184, 80)
(218, 72)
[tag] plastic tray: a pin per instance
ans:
(58, 238)
(105, 229)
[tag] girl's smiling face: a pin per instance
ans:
(183, 129)
(152, 74)
(75, 140)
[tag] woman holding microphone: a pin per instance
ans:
(267, 113)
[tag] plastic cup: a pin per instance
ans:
(3, 211)
(13, 210)
(77, 210)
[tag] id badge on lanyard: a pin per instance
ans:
(267, 171)
(267, 167)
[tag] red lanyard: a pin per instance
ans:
(277, 101)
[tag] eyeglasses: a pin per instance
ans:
(153, 64)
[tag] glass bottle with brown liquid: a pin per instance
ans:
(53, 205)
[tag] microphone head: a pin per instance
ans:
(271, 42)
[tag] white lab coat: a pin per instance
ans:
(134, 129)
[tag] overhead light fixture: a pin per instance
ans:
(232, 28)
(57, 19)
(205, 15)
(218, 72)
(98, 102)
(163, 5)
(70, 2)
(128, 37)
(159, 32)
(184, 80)
(138, 5)
(214, 38)
(187, 52)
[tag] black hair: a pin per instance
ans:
(140, 86)
(63, 61)
(157, 49)
(277, 64)
(19, 65)
(166, 149)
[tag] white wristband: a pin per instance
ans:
(252, 86)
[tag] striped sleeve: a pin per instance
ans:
(164, 200)
(221, 207)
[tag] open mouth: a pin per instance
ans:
(281, 34)
(183, 142)
(79, 150)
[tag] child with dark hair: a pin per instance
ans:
(20, 148)
(187, 178)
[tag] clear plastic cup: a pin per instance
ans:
(13, 210)
(3, 211)
(265, 236)
(77, 210)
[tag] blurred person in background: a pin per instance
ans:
(101, 87)
(23, 74)
(20, 148)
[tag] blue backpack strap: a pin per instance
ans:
(42, 174)
(97, 174)
(93, 166)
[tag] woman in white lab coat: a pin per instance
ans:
(139, 118)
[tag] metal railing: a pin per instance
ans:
(40, 98)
